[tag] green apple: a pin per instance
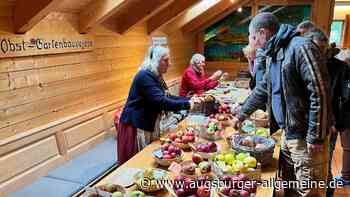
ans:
(242, 156)
(221, 164)
(220, 157)
(137, 194)
(239, 165)
(117, 194)
(250, 161)
(261, 132)
(229, 158)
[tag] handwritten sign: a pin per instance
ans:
(160, 40)
(17, 46)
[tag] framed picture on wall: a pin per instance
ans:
(224, 40)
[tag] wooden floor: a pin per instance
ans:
(337, 165)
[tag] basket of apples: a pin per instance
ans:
(182, 138)
(167, 154)
(262, 148)
(230, 163)
(212, 130)
(223, 116)
(205, 149)
(260, 118)
(237, 186)
(190, 187)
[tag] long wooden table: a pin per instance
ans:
(145, 160)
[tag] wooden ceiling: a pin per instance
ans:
(170, 15)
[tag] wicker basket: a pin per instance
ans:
(204, 155)
(252, 175)
(260, 122)
(149, 187)
(264, 156)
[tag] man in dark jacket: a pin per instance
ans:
(296, 91)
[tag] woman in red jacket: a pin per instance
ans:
(195, 81)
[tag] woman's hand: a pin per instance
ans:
(216, 76)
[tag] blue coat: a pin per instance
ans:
(147, 99)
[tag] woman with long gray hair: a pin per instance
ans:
(194, 80)
(147, 98)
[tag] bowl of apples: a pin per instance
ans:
(212, 130)
(183, 138)
(167, 154)
(231, 163)
(206, 149)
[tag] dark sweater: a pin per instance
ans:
(339, 73)
(146, 100)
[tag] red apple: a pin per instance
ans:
(244, 193)
(191, 138)
(165, 147)
(180, 192)
(165, 152)
(203, 192)
(171, 149)
(196, 158)
(233, 193)
(167, 156)
(172, 136)
(226, 191)
(178, 140)
(173, 154)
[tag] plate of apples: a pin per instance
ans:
(167, 154)
(206, 149)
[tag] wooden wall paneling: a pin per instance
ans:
(27, 95)
(86, 145)
(61, 143)
(4, 82)
(25, 17)
(23, 159)
(346, 37)
(50, 127)
(81, 132)
(33, 173)
(324, 20)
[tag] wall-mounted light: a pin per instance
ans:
(240, 9)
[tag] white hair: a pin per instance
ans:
(153, 57)
(344, 55)
(197, 59)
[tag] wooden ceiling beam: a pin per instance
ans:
(137, 11)
(221, 16)
(168, 14)
(189, 15)
(97, 12)
(28, 14)
(222, 7)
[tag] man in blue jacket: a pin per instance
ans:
(295, 88)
